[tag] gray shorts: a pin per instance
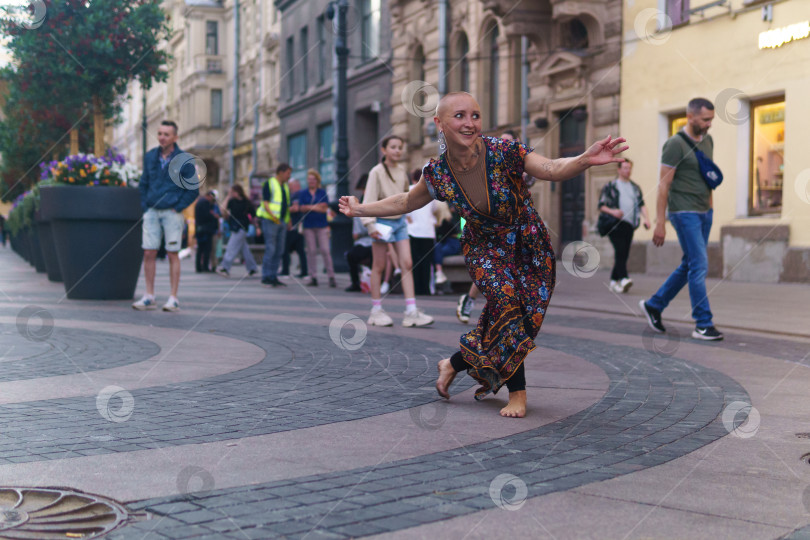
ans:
(167, 222)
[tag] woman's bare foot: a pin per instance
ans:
(446, 376)
(516, 408)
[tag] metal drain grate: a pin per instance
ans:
(803, 435)
(45, 513)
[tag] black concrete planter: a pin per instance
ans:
(48, 250)
(22, 244)
(97, 235)
(37, 260)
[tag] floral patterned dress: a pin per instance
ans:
(509, 256)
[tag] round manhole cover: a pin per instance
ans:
(46, 513)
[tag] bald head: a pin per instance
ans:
(455, 99)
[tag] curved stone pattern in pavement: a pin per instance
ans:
(66, 351)
(655, 411)
(309, 384)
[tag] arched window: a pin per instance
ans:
(574, 35)
(460, 65)
(493, 73)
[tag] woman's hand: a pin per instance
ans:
(349, 206)
(376, 235)
(604, 151)
(618, 213)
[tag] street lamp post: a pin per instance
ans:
(341, 226)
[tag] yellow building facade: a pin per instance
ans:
(752, 60)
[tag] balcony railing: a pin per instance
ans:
(208, 63)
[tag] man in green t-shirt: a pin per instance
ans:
(683, 192)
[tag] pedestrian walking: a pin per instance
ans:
(314, 203)
(274, 215)
(389, 178)
(240, 214)
(683, 192)
(506, 247)
(206, 225)
(621, 207)
(163, 201)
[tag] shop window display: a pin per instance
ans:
(767, 156)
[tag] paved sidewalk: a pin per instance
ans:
(264, 413)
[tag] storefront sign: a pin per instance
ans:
(779, 36)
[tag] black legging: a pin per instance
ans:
(515, 383)
(621, 237)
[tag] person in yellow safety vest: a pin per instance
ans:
(274, 215)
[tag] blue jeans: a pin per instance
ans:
(693, 235)
(448, 246)
(274, 235)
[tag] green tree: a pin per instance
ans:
(78, 61)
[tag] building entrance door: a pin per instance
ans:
(572, 200)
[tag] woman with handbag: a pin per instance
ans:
(621, 205)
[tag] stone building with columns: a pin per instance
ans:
(548, 69)
(222, 90)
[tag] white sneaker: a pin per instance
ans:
(379, 318)
(615, 286)
(440, 278)
(145, 303)
(625, 284)
(384, 288)
(416, 318)
(171, 305)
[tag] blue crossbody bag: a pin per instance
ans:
(710, 172)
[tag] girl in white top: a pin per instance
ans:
(388, 178)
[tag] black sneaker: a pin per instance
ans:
(267, 282)
(252, 273)
(464, 308)
(276, 283)
(710, 333)
(653, 317)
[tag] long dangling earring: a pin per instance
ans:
(442, 143)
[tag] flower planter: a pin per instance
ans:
(48, 250)
(22, 244)
(37, 260)
(97, 235)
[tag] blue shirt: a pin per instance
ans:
(312, 219)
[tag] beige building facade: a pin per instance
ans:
(223, 97)
(752, 60)
(572, 57)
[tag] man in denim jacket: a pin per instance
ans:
(165, 192)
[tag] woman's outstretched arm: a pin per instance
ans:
(557, 170)
(395, 205)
